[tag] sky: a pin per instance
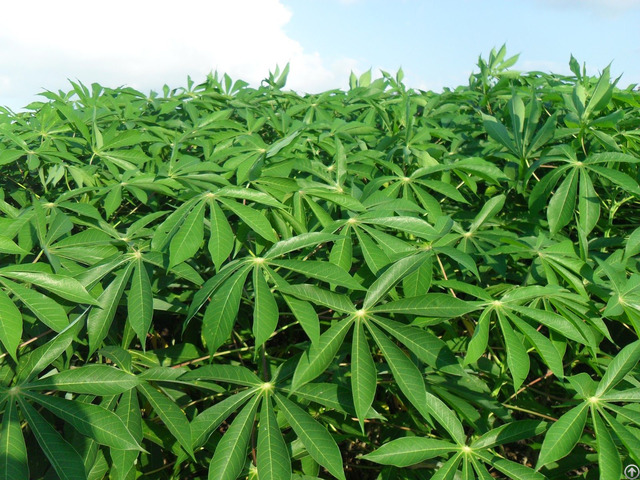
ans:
(146, 44)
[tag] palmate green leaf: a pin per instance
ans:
(448, 470)
(140, 302)
(363, 374)
(9, 246)
(315, 438)
(588, 204)
(324, 271)
(391, 276)
(626, 437)
(299, 242)
(320, 354)
(509, 468)
(374, 257)
(66, 287)
(265, 308)
(407, 451)
(306, 315)
(48, 311)
(62, 456)
(542, 344)
(428, 305)
(608, 457)
(37, 360)
(499, 133)
(509, 433)
(342, 251)
(13, 451)
(622, 364)
(561, 206)
(273, 460)
(222, 311)
(411, 383)
(411, 225)
(128, 410)
(221, 237)
(319, 296)
(424, 345)
(188, 239)
(480, 339)
(94, 421)
(517, 356)
(235, 374)
(170, 413)
(255, 220)
(10, 325)
(231, 452)
(208, 420)
(563, 435)
(101, 316)
(488, 211)
(93, 379)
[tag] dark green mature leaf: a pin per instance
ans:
(315, 438)
(265, 308)
(65, 460)
(622, 364)
(563, 435)
(320, 354)
(10, 324)
(273, 460)
(363, 374)
(407, 451)
(320, 296)
(66, 287)
(390, 277)
(13, 451)
(140, 302)
(91, 379)
(94, 421)
(324, 271)
(231, 452)
(562, 203)
(170, 413)
(222, 311)
(188, 239)
(48, 311)
(428, 305)
(410, 381)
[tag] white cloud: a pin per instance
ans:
(145, 44)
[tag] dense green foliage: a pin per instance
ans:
(224, 281)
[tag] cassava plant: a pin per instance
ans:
(223, 282)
